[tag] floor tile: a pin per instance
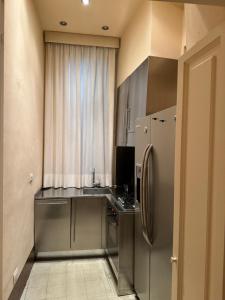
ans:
(35, 294)
(58, 267)
(57, 279)
(40, 268)
(38, 281)
(56, 292)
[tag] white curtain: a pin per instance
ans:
(79, 113)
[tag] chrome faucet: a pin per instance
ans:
(94, 184)
(93, 177)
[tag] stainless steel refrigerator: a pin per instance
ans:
(154, 159)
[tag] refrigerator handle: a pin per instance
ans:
(148, 200)
(142, 191)
(144, 195)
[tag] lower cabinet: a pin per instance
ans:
(69, 224)
(87, 223)
(52, 225)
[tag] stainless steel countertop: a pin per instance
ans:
(71, 193)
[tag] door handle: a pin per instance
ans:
(173, 259)
(147, 232)
(148, 200)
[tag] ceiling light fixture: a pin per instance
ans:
(105, 27)
(63, 23)
(85, 2)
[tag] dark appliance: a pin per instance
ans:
(125, 160)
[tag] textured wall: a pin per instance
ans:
(135, 42)
(23, 132)
(199, 20)
(155, 29)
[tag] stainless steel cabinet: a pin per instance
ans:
(150, 88)
(52, 225)
(122, 113)
(132, 97)
(87, 228)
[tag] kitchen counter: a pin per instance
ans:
(70, 193)
(60, 193)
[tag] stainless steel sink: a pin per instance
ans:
(96, 191)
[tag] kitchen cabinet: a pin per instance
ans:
(150, 88)
(122, 113)
(131, 104)
(87, 223)
(52, 225)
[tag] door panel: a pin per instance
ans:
(141, 262)
(52, 225)
(200, 166)
(86, 223)
(162, 202)
(142, 137)
(122, 103)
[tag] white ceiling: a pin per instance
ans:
(87, 19)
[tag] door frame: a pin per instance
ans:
(212, 37)
(200, 2)
(1, 138)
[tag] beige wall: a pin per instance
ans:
(199, 20)
(23, 132)
(155, 29)
(135, 42)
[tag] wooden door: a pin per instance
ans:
(199, 224)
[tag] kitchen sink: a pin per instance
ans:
(96, 191)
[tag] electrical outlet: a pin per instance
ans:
(15, 276)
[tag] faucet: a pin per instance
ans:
(93, 177)
(94, 184)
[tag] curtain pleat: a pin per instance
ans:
(79, 110)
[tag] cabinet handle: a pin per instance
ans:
(53, 203)
(74, 220)
(128, 119)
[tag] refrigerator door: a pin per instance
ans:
(163, 154)
(142, 137)
(141, 263)
(142, 250)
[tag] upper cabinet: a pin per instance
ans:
(150, 88)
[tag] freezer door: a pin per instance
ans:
(142, 137)
(163, 141)
(142, 249)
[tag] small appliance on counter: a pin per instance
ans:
(125, 161)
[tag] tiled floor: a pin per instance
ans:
(82, 279)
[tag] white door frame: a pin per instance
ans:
(1, 137)
(207, 2)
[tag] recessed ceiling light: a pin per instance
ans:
(85, 2)
(63, 23)
(105, 27)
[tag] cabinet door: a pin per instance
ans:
(121, 139)
(199, 224)
(137, 98)
(52, 225)
(86, 223)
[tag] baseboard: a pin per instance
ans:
(22, 280)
